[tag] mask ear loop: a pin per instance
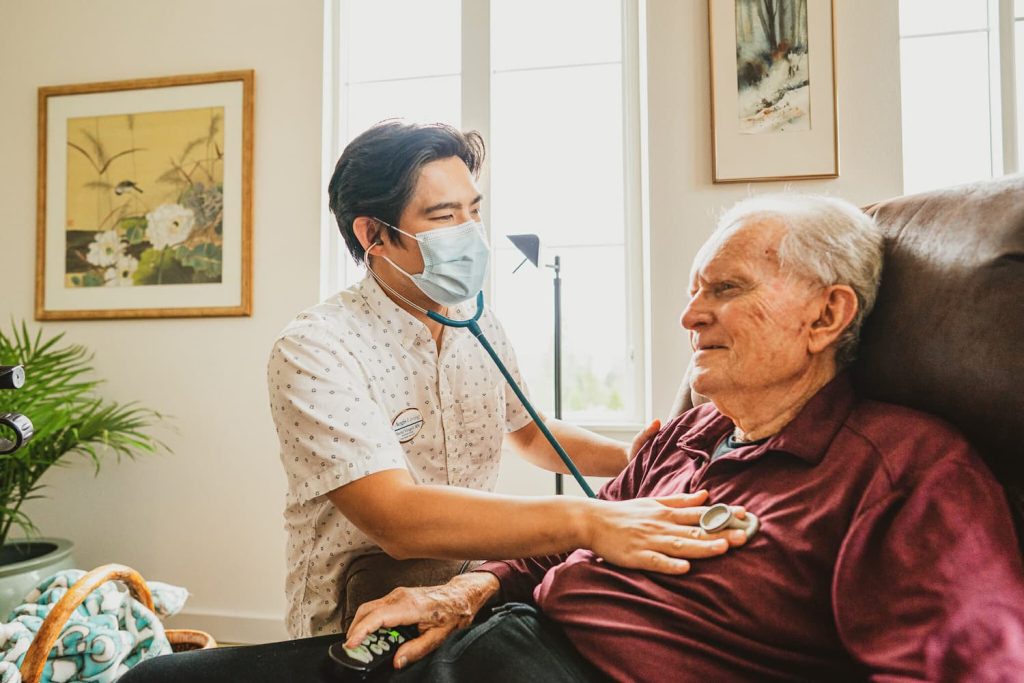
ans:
(366, 264)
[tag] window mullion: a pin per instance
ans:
(995, 107)
(1008, 85)
(633, 209)
(333, 261)
(476, 91)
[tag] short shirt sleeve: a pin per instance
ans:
(516, 416)
(331, 430)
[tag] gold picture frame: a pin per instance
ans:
(144, 199)
(774, 102)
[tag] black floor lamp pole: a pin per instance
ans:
(529, 246)
(558, 354)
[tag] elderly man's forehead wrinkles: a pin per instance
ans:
(724, 268)
(754, 245)
(751, 244)
(757, 244)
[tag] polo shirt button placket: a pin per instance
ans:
(699, 474)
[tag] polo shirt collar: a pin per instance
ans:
(404, 324)
(806, 437)
(409, 328)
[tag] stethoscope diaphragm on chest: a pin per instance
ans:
(720, 517)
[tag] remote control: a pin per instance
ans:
(377, 649)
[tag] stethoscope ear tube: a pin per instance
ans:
(445, 320)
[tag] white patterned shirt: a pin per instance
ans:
(357, 386)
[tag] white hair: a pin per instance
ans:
(827, 240)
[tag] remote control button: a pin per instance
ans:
(360, 654)
(384, 645)
(375, 649)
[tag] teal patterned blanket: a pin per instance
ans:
(109, 632)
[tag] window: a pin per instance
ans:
(553, 87)
(1018, 64)
(959, 92)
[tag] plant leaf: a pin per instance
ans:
(119, 154)
(97, 145)
(203, 258)
(60, 397)
(133, 228)
(86, 154)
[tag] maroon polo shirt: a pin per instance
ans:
(886, 552)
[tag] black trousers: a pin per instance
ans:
(514, 645)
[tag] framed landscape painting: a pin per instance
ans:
(773, 90)
(144, 198)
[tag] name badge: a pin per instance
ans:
(407, 425)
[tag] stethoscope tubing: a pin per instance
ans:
(474, 329)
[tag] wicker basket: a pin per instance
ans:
(35, 658)
(185, 639)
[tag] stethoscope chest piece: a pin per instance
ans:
(720, 517)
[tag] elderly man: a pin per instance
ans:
(886, 549)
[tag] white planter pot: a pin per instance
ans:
(24, 563)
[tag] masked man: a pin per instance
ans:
(391, 424)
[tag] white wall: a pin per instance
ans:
(684, 202)
(209, 516)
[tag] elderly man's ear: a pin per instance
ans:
(837, 309)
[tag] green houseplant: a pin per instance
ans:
(59, 396)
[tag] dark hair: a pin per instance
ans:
(377, 173)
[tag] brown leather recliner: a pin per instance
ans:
(947, 332)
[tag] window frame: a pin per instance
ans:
(1004, 147)
(336, 268)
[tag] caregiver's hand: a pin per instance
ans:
(436, 610)
(642, 437)
(657, 534)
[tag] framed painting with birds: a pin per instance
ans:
(144, 199)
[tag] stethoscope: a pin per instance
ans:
(720, 517)
(716, 518)
(472, 324)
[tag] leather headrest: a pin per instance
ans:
(947, 331)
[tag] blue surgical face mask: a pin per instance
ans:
(455, 262)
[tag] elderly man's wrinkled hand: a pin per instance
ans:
(437, 611)
(659, 534)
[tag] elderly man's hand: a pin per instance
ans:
(436, 610)
(658, 534)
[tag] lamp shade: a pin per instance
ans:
(528, 246)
